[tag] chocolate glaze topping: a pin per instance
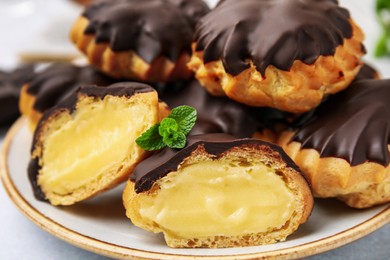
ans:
(271, 32)
(58, 81)
(353, 125)
(10, 85)
(221, 114)
(367, 72)
(125, 89)
(193, 9)
(150, 28)
(168, 160)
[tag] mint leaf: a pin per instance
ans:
(171, 132)
(177, 140)
(151, 140)
(383, 14)
(171, 136)
(168, 126)
(185, 117)
(381, 48)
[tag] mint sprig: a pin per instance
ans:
(383, 13)
(171, 132)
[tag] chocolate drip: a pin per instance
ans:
(168, 160)
(353, 125)
(58, 81)
(10, 84)
(270, 32)
(150, 28)
(221, 114)
(125, 89)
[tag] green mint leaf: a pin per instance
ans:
(382, 5)
(168, 127)
(171, 132)
(151, 140)
(381, 48)
(176, 140)
(185, 117)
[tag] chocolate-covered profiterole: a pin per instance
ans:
(271, 33)
(10, 84)
(58, 81)
(127, 90)
(151, 28)
(221, 114)
(166, 161)
(353, 125)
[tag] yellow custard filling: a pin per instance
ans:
(97, 137)
(206, 199)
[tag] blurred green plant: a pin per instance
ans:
(383, 12)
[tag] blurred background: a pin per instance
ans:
(36, 30)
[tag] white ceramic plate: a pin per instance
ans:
(100, 225)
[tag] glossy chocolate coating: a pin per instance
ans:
(10, 84)
(125, 89)
(353, 125)
(193, 9)
(150, 28)
(58, 81)
(220, 114)
(367, 72)
(271, 32)
(168, 160)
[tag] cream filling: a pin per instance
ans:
(206, 199)
(100, 136)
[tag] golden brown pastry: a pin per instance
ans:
(286, 54)
(86, 144)
(140, 40)
(219, 192)
(54, 84)
(344, 149)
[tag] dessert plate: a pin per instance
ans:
(100, 225)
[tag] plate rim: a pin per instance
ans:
(111, 250)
